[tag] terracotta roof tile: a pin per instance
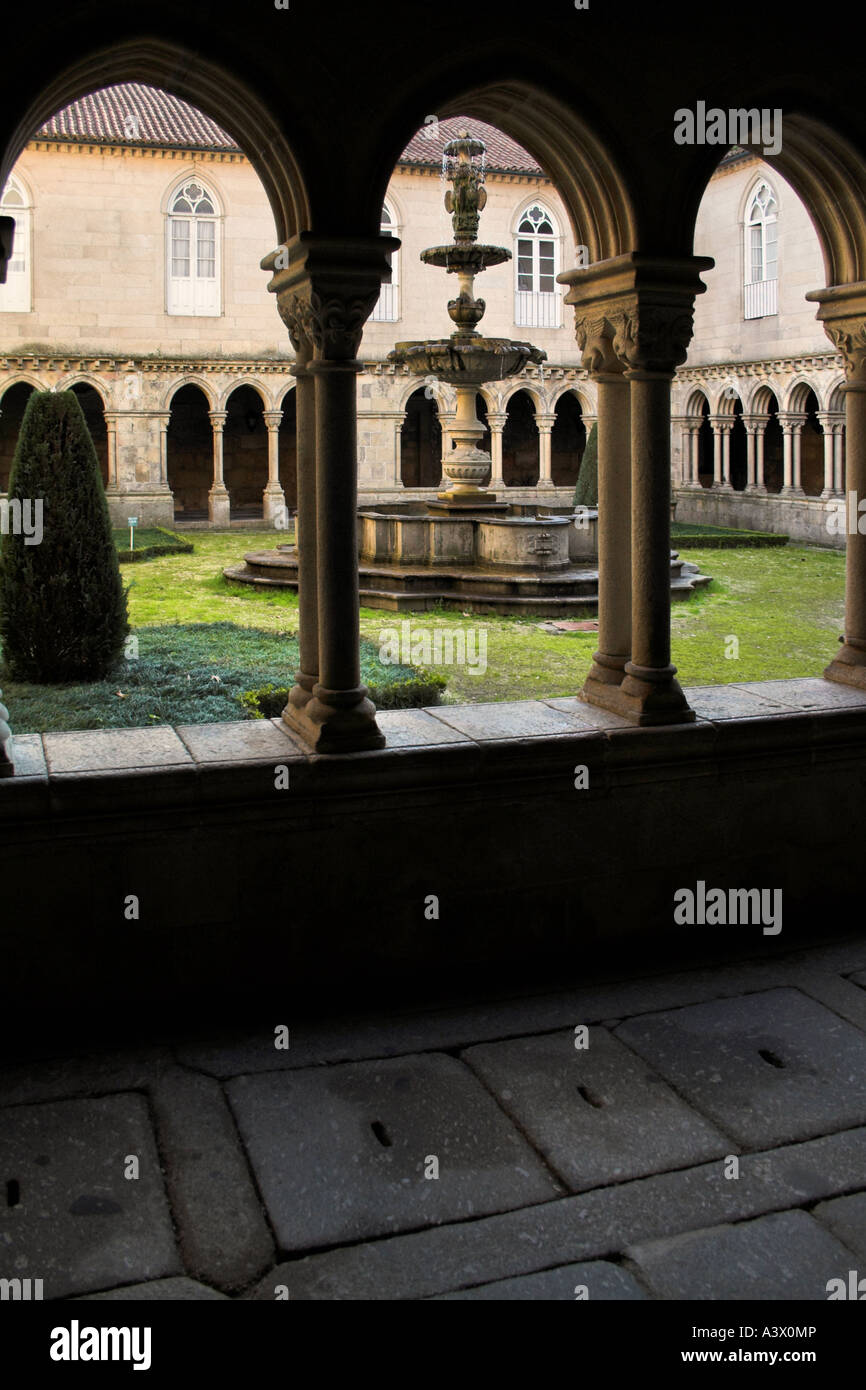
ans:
(133, 114)
(503, 154)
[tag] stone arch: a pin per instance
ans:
(520, 444)
(763, 399)
(213, 88)
(582, 168)
(798, 392)
(92, 397)
(724, 404)
(834, 397)
(191, 380)
(530, 389)
(189, 448)
(264, 396)
(287, 436)
(245, 450)
(12, 410)
(696, 402)
(587, 405)
(420, 442)
(568, 437)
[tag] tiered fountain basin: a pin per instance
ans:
(412, 557)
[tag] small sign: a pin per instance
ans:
(133, 522)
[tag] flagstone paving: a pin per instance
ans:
(689, 1134)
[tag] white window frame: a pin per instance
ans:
(537, 308)
(761, 293)
(387, 306)
(193, 295)
(16, 294)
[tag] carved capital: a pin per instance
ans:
(326, 288)
(654, 337)
(842, 310)
(595, 335)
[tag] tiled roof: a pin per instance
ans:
(503, 153)
(133, 114)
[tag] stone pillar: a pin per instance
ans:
(163, 419)
(496, 421)
(825, 421)
(544, 424)
(722, 426)
(111, 430)
(792, 426)
(218, 501)
(325, 292)
(682, 422)
(842, 310)
(614, 532)
(752, 425)
(642, 309)
(274, 499)
(760, 484)
(695, 453)
(839, 458)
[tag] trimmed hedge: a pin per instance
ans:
(63, 606)
(413, 692)
(172, 544)
(699, 537)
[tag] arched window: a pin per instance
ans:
(536, 301)
(15, 294)
(387, 308)
(193, 252)
(761, 254)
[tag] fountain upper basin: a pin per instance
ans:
(466, 360)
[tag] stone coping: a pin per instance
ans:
(57, 772)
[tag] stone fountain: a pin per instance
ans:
(468, 549)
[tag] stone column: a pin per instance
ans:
(825, 421)
(642, 307)
(111, 430)
(722, 426)
(682, 424)
(792, 426)
(274, 499)
(163, 419)
(839, 458)
(751, 425)
(218, 501)
(842, 310)
(326, 291)
(614, 529)
(545, 425)
(496, 421)
(760, 484)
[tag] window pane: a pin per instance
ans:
(757, 269)
(206, 250)
(180, 249)
(544, 228)
(546, 284)
(526, 227)
(205, 207)
(181, 205)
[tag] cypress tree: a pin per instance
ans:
(63, 607)
(586, 491)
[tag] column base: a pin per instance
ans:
(546, 485)
(219, 506)
(722, 487)
(755, 490)
(336, 727)
(792, 492)
(273, 504)
(848, 668)
(644, 697)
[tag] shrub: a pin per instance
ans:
(150, 543)
(413, 692)
(63, 613)
(586, 491)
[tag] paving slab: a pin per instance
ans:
(224, 1237)
(508, 719)
(27, 754)
(340, 1154)
(77, 1222)
(243, 741)
(808, 692)
(845, 1217)
(859, 979)
(784, 1256)
(178, 1290)
(731, 702)
(93, 1074)
(768, 1068)
(416, 728)
(598, 1115)
(590, 1226)
(114, 750)
(597, 1281)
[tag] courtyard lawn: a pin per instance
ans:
(783, 605)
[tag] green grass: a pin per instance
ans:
(785, 607)
(181, 674)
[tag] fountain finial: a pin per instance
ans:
(463, 165)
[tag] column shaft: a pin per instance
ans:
(307, 673)
(614, 536)
(849, 666)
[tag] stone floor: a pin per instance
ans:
(688, 1134)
